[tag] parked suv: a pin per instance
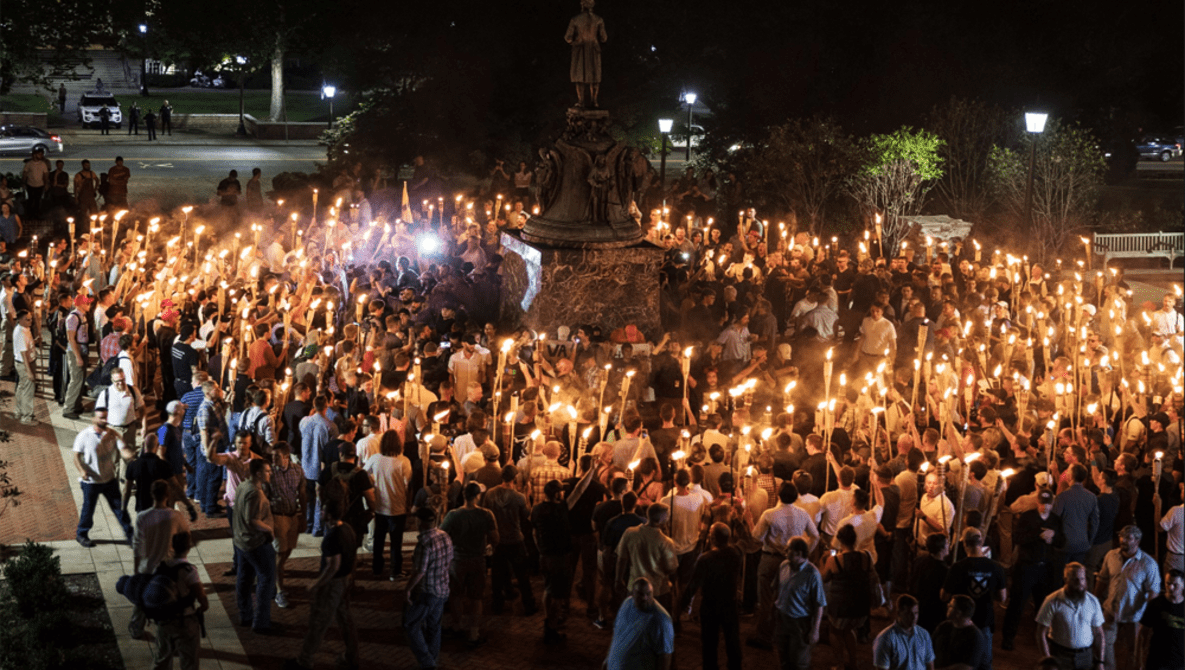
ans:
(90, 104)
(1160, 147)
(24, 140)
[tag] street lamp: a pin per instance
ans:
(328, 91)
(689, 98)
(1035, 125)
(664, 127)
(144, 59)
(242, 61)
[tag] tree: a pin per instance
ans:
(969, 130)
(36, 41)
(800, 165)
(1068, 169)
(899, 171)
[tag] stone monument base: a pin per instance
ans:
(545, 287)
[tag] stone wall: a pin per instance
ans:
(268, 130)
(544, 287)
(23, 119)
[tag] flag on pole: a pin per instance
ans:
(405, 209)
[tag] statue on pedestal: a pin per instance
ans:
(585, 33)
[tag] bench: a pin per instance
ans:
(1139, 245)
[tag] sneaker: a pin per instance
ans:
(1007, 645)
(758, 643)
(230, 573)
(475, 643)
(281, 600)
(192, 514)
(601, 624)
(552, 635)
(271, 631)
(85, 541)
(71, 415)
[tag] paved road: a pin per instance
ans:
(183, 168)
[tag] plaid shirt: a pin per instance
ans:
(285, 489)
(109, 346)
(432, 556)
(541, 474)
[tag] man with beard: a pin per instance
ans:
(1070, 624)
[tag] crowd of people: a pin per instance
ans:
(822, 433)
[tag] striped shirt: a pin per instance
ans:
(896, 649)
(432, 556)
(193, 402)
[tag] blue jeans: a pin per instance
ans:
(209, 476)
(421, 625)
(90, 498)
(257, 570)
(312, 512)
(190, 444)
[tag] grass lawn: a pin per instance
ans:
(27, 102)
(301, 106)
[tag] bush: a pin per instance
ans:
(33, 618)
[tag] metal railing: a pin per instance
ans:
(1137, 245)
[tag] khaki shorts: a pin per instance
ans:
(287, 529)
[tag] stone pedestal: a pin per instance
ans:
(545, 286)
(587, 182)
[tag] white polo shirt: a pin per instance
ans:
(121, 407)
(1071, 624)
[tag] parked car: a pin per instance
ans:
(90, 104)
(1160, 147)
(23, 140)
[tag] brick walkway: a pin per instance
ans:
(41, 464)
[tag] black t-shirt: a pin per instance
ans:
(1167, 622)
(603, 513)
(184, 358)
(144, 470)
(580, 515)
(550, 520)
(926, 581)
(340, 540)
(953, 645)
(978, 577)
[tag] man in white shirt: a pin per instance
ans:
(25, 356)
(774, 530)
(1127, 581)
(124, 406)
(689, 518)
(837, 504)
(7, 323)
(1173, 524)
(935, 513)
(877, 334)
(96, 452)
(864, 521)
(152, 542)
(467, 365)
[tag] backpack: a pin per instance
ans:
(259, 443)
(101, 376)
(158, 593)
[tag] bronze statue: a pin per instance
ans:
(585, 33)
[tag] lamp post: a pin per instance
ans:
(327, 92)
(144, 59)
(664, 127)
(242, 62)
(1035, 125)
(689, 98)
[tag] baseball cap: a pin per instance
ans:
(174, 405)
(1161, 418)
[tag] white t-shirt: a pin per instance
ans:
(1173, 524)
(22, 340)
(98, 454)
(864, 524)
(687, 513)
(835, 505)
(152, 539)
(391, 475)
